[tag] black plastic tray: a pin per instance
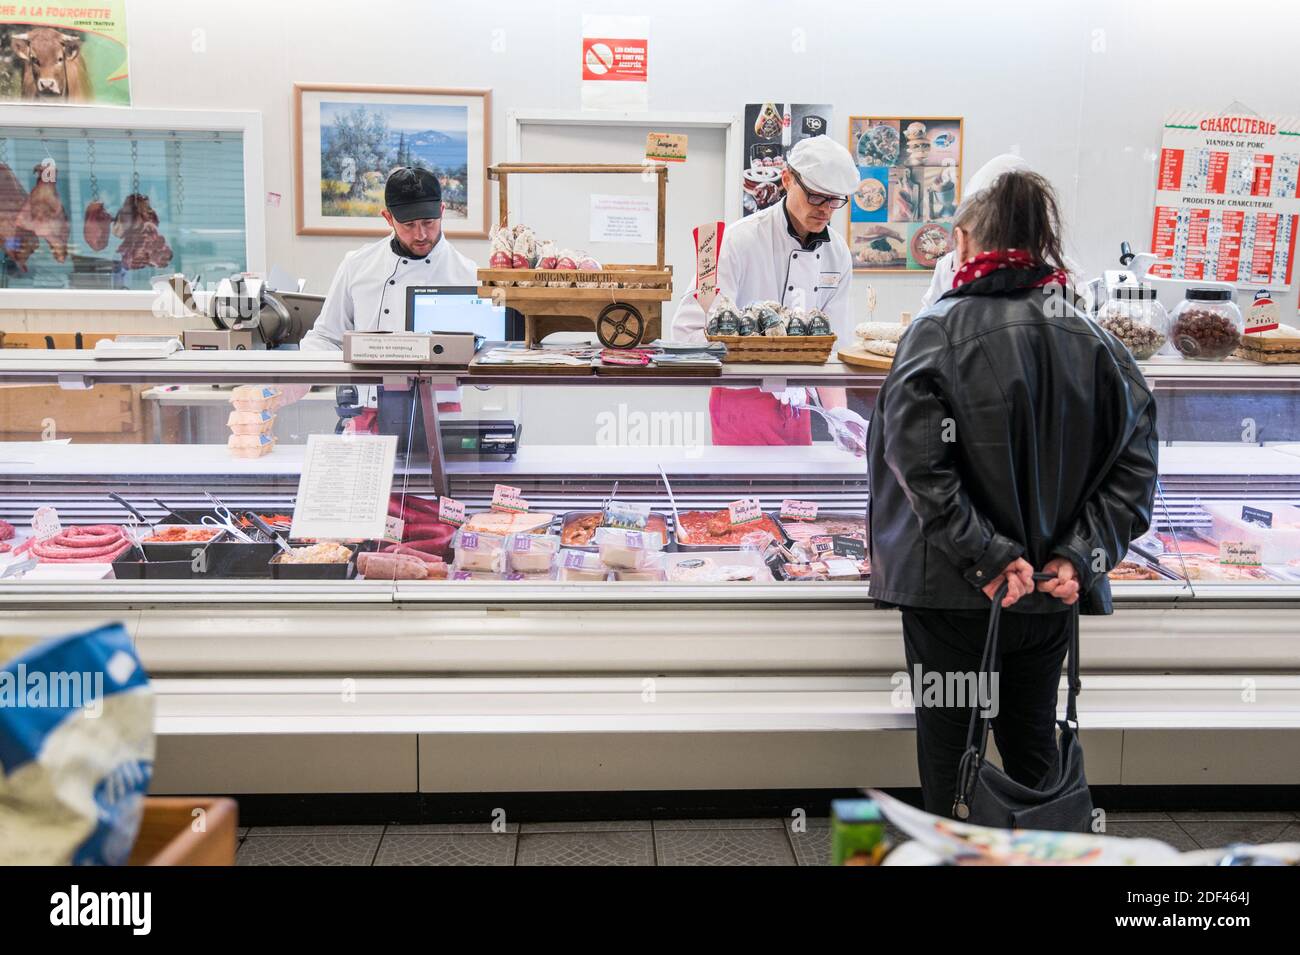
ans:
(345, 571)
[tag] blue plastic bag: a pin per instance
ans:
(76, 750)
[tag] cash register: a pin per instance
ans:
(442, 308)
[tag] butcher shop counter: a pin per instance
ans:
(621, 685)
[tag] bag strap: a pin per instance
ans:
(973, 758)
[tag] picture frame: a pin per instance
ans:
(347, 137)
(910, 174)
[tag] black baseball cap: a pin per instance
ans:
(411, 193)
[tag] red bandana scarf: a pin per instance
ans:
(986, 263)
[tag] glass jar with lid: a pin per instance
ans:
(1136, 318)
(1207, 324)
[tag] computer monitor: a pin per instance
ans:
(448, 308)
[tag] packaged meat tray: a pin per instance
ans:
(713, 530)
(505, 523)
(250, 445)
(531, 555)
(628, 550)
(250, 422)
(255, 398)
(825, 525)
(582, 567)
(578, 528)
(714, 567)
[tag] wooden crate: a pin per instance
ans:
(105, 413)
(167, 835)
(782, 349)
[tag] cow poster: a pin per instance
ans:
(55, 55)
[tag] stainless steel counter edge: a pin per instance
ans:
(80, 368)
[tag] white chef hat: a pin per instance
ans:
(987, 174)
(824, 165)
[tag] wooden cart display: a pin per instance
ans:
(623, 302)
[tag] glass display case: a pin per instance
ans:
(735, 630)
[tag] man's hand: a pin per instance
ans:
(1064, 586)
(1019, 576)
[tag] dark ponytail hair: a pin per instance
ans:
(1017, 211)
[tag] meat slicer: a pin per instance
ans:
(1137, 270)
(245, 313)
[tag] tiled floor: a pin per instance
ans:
(786, 842)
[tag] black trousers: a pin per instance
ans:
(948, 644)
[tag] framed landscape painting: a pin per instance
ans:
(347, 138)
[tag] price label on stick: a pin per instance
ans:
(45, 523)
(745, 511)
(451, 511)
(708, 244)
(798, 510)
(393, 527)
(507, 498)
(1239, 553)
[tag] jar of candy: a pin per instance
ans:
(1137, 319)
(1207, 324)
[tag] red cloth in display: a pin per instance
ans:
(750, 416)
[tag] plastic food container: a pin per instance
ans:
(582, 566)
(531, 555)
(1278, 544)
(478, 553)
(715, 567)
(628, 550)
(1207, 324)
(1136, 317)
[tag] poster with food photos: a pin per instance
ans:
(771, 131)
(1228, 198)
(909, 184)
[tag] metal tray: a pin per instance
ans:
(681, 546)
(670, 543)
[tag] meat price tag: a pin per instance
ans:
(821, 545)
(1256, 515)
(45, 523)
(1239, 553)
(745, 511)
(451, 511)
(798, 510)
(393, 527)
(507, 498)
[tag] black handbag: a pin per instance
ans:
(987, 796)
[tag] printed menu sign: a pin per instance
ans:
(343, 491)
(1227, 198)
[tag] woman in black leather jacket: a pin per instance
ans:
(1011, 435)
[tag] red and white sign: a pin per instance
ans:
(708, 246)
(615, 62)
(606, 59)
(1228, 199)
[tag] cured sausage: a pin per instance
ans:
(407, 549)
(391, 566)
(97, 543)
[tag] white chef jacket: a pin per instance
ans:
(760, 260)
(369, 290)
(945, 273)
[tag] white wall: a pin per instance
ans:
(1078, 88)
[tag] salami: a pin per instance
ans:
(6, 531)
(391, 566)
(411, 551)
(96, 543)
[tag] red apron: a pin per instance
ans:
(750, 416)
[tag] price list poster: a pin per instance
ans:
(1227, 198)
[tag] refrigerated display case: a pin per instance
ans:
(488, 683)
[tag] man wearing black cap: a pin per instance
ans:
(369, 289)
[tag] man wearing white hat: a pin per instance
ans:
(788, 254)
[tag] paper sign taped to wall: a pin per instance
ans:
(665, 147)
(623, 219)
